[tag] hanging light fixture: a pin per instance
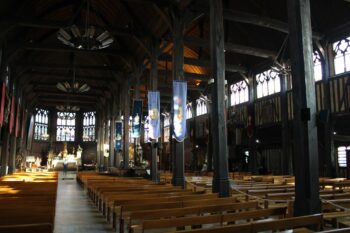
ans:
(93, 37)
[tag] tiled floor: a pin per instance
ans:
(75, 213)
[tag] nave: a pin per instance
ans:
(98, 202)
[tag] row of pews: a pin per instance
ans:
(27, 202)
(138, 205)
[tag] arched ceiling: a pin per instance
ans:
(255, 31)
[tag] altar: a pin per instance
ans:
(72, 162)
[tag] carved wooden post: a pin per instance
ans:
(307, 199)
(220, 156)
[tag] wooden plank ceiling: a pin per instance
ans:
(254, 33)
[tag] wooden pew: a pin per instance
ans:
(27, 228)
(218, 219)
(131, 217)
(258, 226)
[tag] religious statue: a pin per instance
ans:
(65, 150)
(79, 151)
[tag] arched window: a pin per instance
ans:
(201, 107)
(189, 114)
(317, 66)
(239, 93)
(41, 125)
(342, 56)
(268, 83)
(342, 162)
(166, 127)
(146, 130)
(89, 123)
(65, 126)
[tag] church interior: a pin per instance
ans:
(174, 116)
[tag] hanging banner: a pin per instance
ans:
(12, 114)
(2, 104)
(118, 135)
(153, 113)
(136, 118)
(179, 109)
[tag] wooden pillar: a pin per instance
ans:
(12, 155)
(4, 149)
(307, 199)
(251, 123)
(112, 134)
(220, 156)
(178, 74)
(329, 153)
(136, 96)
(210, 125)
(99, 138)
(285, 127)
(154, 86)
(119, 110)
(126, 125)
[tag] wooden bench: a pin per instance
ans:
(258, 226)
(217, 219)
(132, 217)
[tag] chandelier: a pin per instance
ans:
(93, 37)
(67, 108)
(75, 87)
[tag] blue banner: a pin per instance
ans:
(136, 118)
(118, 135)
(154, 115)
(179, 109)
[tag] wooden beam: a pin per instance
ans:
(37, 75)
(262, 21)
(66, 66)
(204, 63)
(187, 75)
(67, 49)
(234, 48)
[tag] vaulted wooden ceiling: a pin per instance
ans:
(255, 31)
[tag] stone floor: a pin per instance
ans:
(75, 213)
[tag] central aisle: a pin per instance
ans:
(75, 213)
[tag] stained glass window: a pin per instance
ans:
(65, 126)
(89, 124)
(41, 125)
(342, 56)
(268, 83)
(146, 130)
(189, 114)
(342, 161)
(166, 128)
(317, 66)
(201, 107)
(239, 93)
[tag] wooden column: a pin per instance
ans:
(99, 138)
(12, 155)
(119, 107)
(251, 121)
(178, 74)
(285, 127)
(112, 133)
(327, 71)
(4, 149)
(307, 199)
(126, 125)
(220, 156)
(154, 86)
(136, 96)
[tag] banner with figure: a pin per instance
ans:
(153, 113)
(118, 135)
(179, 109)
(136, 118)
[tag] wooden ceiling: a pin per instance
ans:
(255, 31)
